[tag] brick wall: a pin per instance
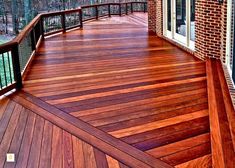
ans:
(152, 16)
(210, 27)
(159, 18)
(223, 30)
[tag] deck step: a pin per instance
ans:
(222, 116)
(111, 146)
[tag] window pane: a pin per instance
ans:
(192, 21)
(169, 15)
(181, 17)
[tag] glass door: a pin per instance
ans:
(192, 24)
(167, 18)
(180, 19)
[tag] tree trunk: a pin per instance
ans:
(14, 10)
(27, 11)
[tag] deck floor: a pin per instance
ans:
(118, 79)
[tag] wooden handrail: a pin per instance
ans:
(27, 29)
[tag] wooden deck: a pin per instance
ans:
(113, 94)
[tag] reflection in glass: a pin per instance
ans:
(192, 20)
(181, 17)
(169, 15)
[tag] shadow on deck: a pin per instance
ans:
(109, 95)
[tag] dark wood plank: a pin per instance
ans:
(186, 155)
(100, 158)
(57, 148)
(6, 118)
(9, 132)
(165, 131)
(45, 156)
(26, 142)
(35, 150)
(227, 101)
(3, 105)
(67, 150)
(78, 153)
(223, 153)
(18, 136)
(89, 155)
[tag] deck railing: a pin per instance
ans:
(16, 55)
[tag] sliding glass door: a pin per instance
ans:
(179, 21)
(168, 18)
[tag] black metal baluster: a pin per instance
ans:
(63, 22)
(9, 64)
(4, 69)
(109, 10)
(131, 7)
(144, 8)
(33, 43)
(1, 79)
(80, 18)
(96, 12)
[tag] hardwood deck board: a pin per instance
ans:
(151, 118)
(67, 150)
(109, 93)
(6, 118)
(166, 150)
(35, 151)
(18, 136)
(101, 161)
(165, 131)
(57, 148)
(23, 156)
(3, 105)
(7, 138)
(202, 162)
(78, 155)
(174, 137)
(45, 156)
(187, 155)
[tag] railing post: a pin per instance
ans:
(63, 22)
(109, 10)
(131, 7)
(80, 18)
(33, 43)
(16, 66)
(126, 9)
(120, 10)
(41, 27)
(96, 12)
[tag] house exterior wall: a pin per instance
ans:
(152, 16)
(211, 18)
